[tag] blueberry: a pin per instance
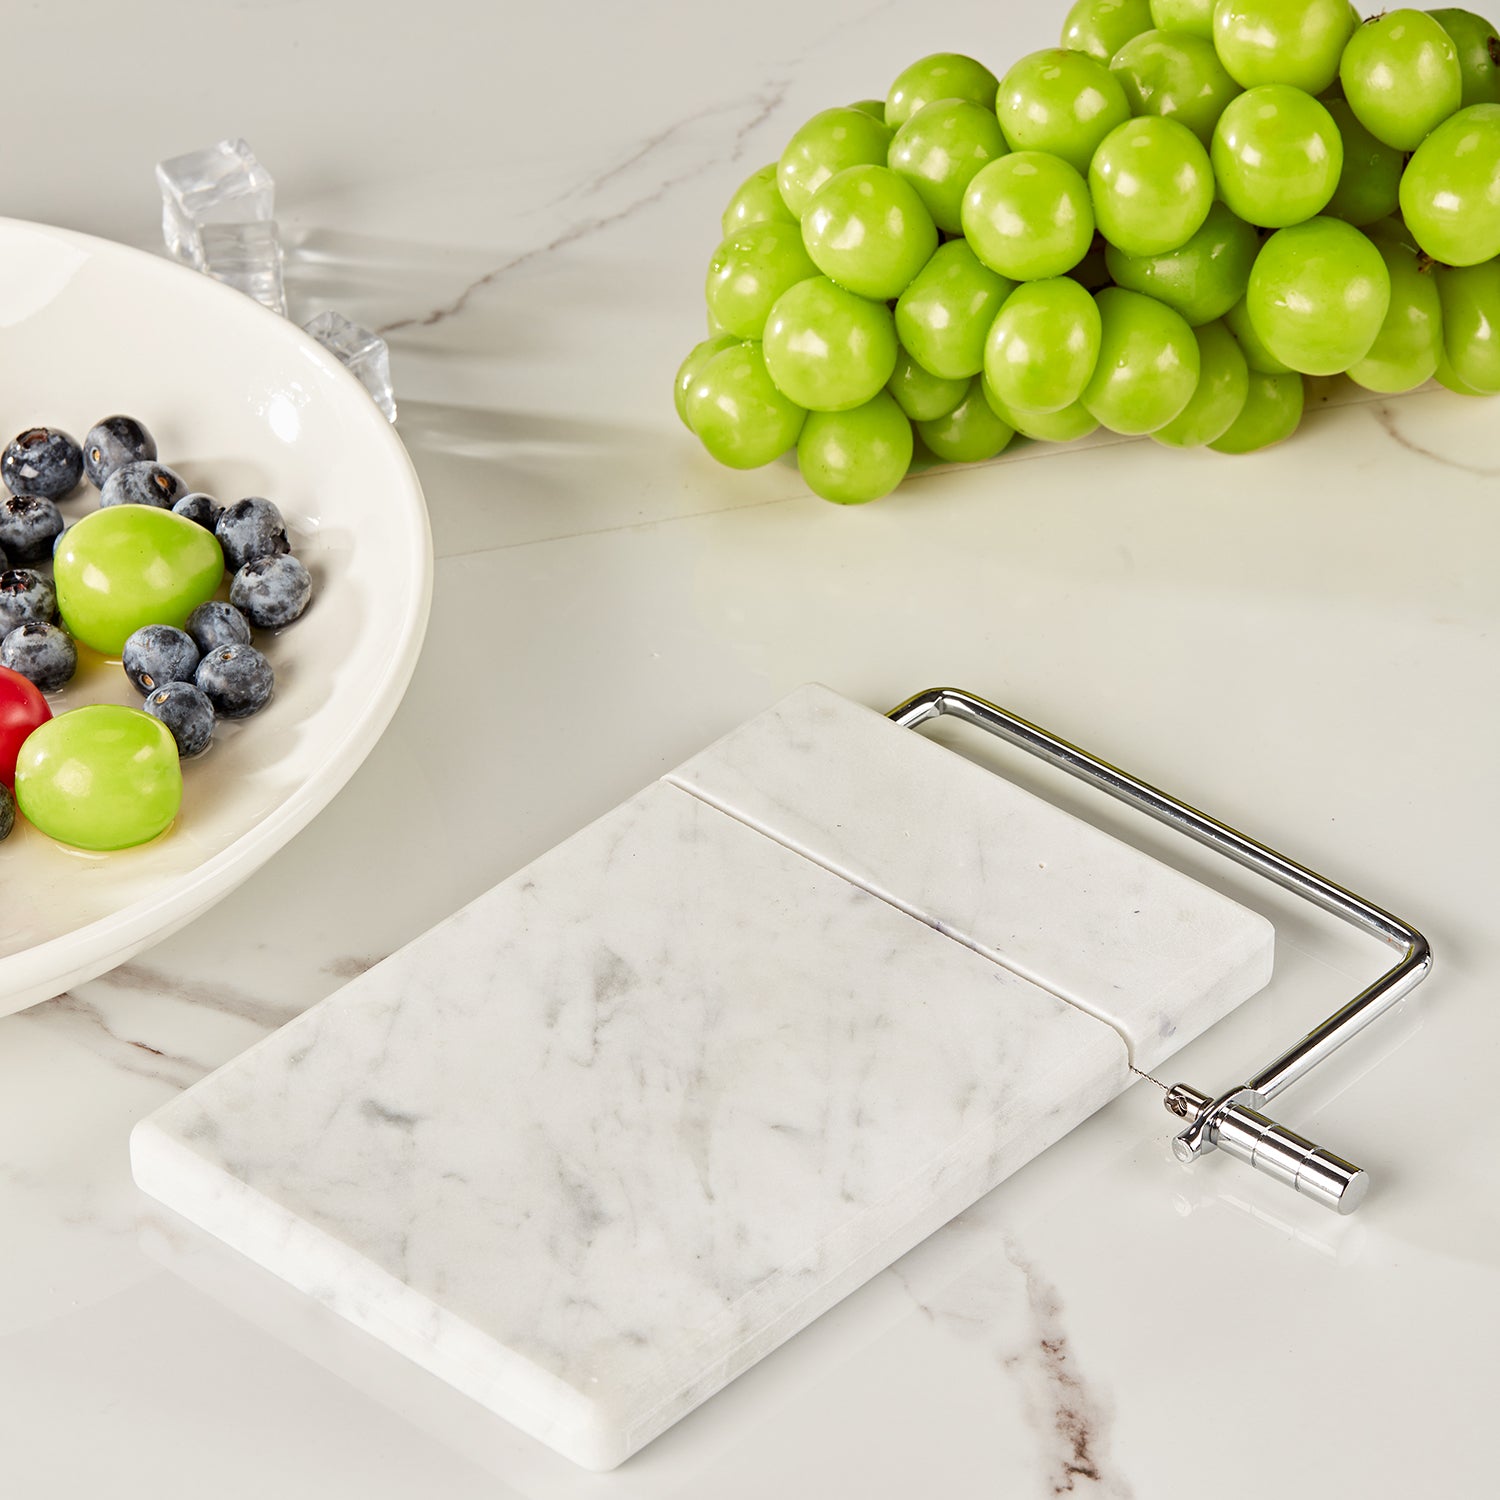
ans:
(158, 654)
(186, 711)
(217, 624)
(143, 483)
(25, 597)
(44, 654)
(249, 529)
(113, 442)
(29, 524)
(237, 680)
(7, 811)
(203, 509)
(42, 461)
(272, 591)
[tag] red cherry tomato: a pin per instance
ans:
(22, 708)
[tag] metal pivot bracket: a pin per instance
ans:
(1231, 1121)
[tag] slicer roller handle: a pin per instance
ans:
(1251, 1137)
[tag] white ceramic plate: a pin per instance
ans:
(241, 402)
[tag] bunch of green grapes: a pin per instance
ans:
(1159, 228)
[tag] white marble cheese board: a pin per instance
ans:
(606, 1137)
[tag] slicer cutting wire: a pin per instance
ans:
(1231, 1121)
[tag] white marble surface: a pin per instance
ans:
(597, 1143)
(1304, 643)
(1050, 896)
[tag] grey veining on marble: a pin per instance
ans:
(1134, 942)
(603, 1139)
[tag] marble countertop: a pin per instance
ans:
(1304, 643)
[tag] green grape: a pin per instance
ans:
(943, 75)
(943, 316)
(1101, 27)
(939, 150)
(737, 412)
(1218, 398)
(1318, 295)
(1257, 356)
(1028, 216)
(875, 108)
(750, 270)
(867, 229)
(1295, 42)
(1055, 427)
(1060, 101)
(1151, 185)
(1470, 297)
(1176, 74)
(1446, 377)
(1276, 155)
(1371, 175)
(1450, 191)
(827, 143)
(1202, 279)
(757, 200)
(687, 372)
(853, 456)
(1272, 411)
(1405, 352)
(715, 328)
(923, 396)
(1401, 77)
(1042, 346)
(1391, 229)
(828, 349)
(1478, 46)
(100, 777)
(1194, 16)
(971, 433)
(1148, 364)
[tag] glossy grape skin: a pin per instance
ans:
(875, 108)
(23, 706)
(1101, 27)
(943, 316)
(1271, 413)
(757, 200)
(1296, 42)
(1175, 74)
(1055, 427)
(1151, 186)
(828, 349)
(1148, 364)
(1450, 190)
(1478, 46)
(1062, 102)
(939, 150)
(1370, 179)
(1257, 356)
(739, 415)
(687, 372)
(1277, 155)
(827, 143)
(1470, 297)
(867, 229)
(971, 433)
(1445, 377)
(1401, 76)
(1202, 279)
(1405, 352)
(1195, 17)
(943, 75)
(100, 777)
(1318, 295)
(923, 396)
(1042, 347)
(1219, 396)
(750, 270)
(1028, 216)
(850, 457)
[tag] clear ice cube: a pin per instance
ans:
(365, 353)
(222, 184)
(248, 258)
